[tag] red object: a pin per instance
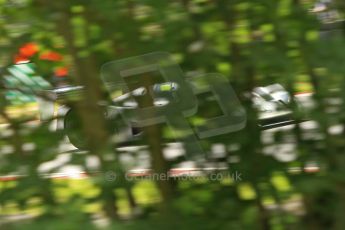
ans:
(61, 72)
(51, 56)
(20, 59)
(28, 50)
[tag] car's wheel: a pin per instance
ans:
(73, 129)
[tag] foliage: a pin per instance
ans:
(253, 43)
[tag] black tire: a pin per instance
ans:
(73, 129)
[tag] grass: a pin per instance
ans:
(144, 191)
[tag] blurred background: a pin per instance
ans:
(284, 176)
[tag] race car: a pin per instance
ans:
(271, 102)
